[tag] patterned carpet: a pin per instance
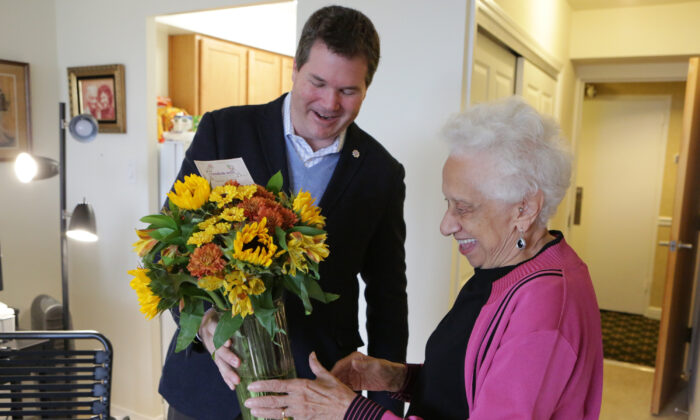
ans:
(629, 338)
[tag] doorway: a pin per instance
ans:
(625, 182)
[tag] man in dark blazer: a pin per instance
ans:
(362, 195)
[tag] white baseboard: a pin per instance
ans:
(653, 312)
(121, 413)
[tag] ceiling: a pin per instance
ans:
(608, 4)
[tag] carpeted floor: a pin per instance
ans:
(629, 338)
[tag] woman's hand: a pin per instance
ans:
(323, 398)
(361, 372)
(224, 358)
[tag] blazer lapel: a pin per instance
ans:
(273, 144)
(351, 157)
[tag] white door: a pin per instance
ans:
(619, 172)
(493, 78)
(493, 73)
(537, 87)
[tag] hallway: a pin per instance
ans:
(627, 394)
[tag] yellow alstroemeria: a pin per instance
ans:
(263, 253)
(210, 283)
(310, 214)
(145, 243)
(191, 194)
(299, 246)
(147, 300)
(239, 291)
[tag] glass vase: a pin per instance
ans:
(262, 357)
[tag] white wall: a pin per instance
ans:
(29, 214)
(663, 30)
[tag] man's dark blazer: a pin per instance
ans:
(363, 205)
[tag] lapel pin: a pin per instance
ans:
(355, 154)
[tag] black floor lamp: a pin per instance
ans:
(82, 220)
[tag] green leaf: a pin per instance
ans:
(275, 183)
(160, 220)
(162, 233)
(226, 327)
(190, 320)
(291, 285)
(308, 230)
(281, 237)
(315, 291)
(304, 296)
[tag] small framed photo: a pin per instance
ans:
(15, 122)
(99, 91)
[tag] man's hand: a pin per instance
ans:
(225, 359)
(361, 372)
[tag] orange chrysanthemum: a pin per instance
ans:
(206, 261)
(258, 208)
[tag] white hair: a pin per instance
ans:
(525, 148)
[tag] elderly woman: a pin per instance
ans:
(522, 340)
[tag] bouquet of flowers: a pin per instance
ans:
(235, 246)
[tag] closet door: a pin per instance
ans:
(493, 74)
(537, 87)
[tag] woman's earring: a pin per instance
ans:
(521, 242)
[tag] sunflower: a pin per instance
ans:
(309, 213)
(254, 245)
(141, 284)
(191, 194)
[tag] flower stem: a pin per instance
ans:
(217, 300)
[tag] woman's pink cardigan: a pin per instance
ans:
(536, 349)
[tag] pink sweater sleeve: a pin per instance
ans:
(526, 378)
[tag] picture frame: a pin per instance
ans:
(99, 91)
(15, 115)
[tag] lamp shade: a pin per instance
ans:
(82, 224)
(83, 128)
(29, 168)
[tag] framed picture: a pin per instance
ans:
(15, 124)
(99, 90)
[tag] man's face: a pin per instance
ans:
(327, 94)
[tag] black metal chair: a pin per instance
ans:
(40, 379)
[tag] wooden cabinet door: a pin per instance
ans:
(287, 70)
(264, 77)
(222, 75)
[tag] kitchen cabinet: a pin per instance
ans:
(207, 73)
